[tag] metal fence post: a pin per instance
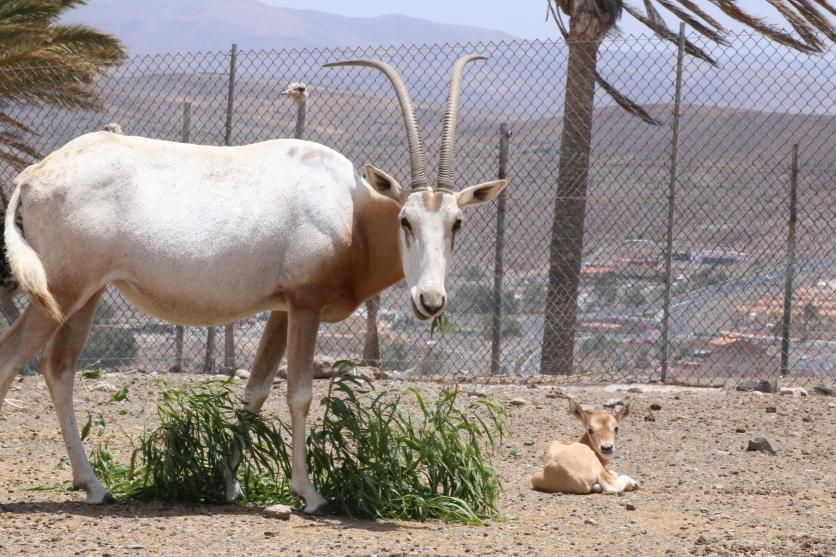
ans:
(790, 274)
(666, 307)
(229, 330)
(498, 268)
(178, 330)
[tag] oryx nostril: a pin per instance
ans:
(606, 448)
(428, 307)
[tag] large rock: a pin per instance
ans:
(759, 444)
(323, 368)
(792, 391)
(281, 512)
(823, 390)
(762, 386)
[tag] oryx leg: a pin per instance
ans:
(271, 348)
(58, 367)
(612, 483)
(303, 328)
(20, 342)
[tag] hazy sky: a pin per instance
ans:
(522, 18)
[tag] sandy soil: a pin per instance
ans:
(701, 493)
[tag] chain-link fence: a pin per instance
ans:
(708, 305)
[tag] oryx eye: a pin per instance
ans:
(591, 431)
(406, 225)
(616, 430)
(457, 225)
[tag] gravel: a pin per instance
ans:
(700, 493)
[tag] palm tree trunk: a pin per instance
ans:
(566, 247)
(371, 348)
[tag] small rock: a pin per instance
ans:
(134, 546)
(831, 405)
(762, 386)
(806, 419)
(771, 410)
(613, 402)
(105, 387)
(792, 391)
(630, 507)
(529, 443)
(740, 430)
(282, 512)
(242, 374)
(820, 389)
(760, 444)
(634, 390)
(656, 407)
(476, 394)
(518, 402)
(590, 522)
(650, 418)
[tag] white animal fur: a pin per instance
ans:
(201, 235)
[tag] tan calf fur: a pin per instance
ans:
(582, 467)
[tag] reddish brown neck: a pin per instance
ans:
(377, 257)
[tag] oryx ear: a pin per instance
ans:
(625, 410)
(480, 193)
(383, 183)
(577, 410)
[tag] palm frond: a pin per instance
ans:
(88, 44)
(6, 120)
(731, 9)
(27, 11)
(13, 160)
(662, 31)
(714, 34)
(815, 17)
(625, 102)
(826, 5)
(620, 99)
(694, 8)
(652, 14)
(14, 142)
(807, 34)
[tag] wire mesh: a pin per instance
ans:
(739, 121)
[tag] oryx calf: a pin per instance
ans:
(582, 467)
(200, 235)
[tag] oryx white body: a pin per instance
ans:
(582, 467)
(201, 235)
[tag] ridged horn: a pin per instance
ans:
(448, 130)
(417, 156)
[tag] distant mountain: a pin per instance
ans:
(153, 26)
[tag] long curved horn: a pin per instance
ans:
(417, 156)
(448, 130)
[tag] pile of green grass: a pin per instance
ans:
(370, 458)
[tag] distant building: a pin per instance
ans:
(735, 356)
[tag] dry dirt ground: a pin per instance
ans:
(701, 493)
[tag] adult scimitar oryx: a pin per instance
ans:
(203, 235)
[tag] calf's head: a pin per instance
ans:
(601, 427)
(430, 216)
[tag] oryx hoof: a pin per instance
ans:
(100, 499)
(324, 509)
